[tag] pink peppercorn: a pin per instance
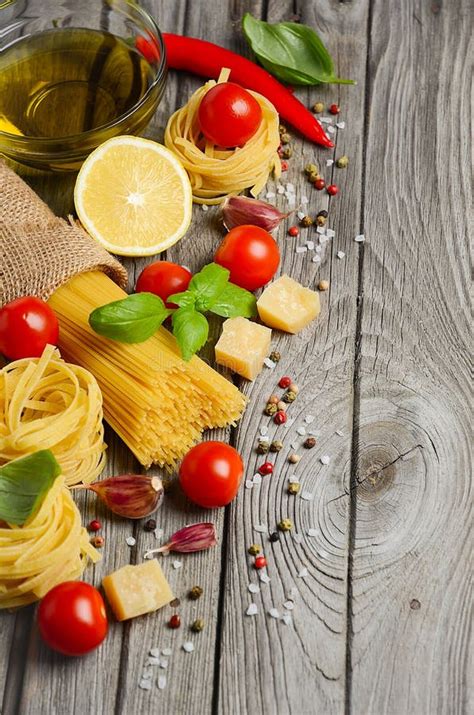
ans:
(265, 468)
(332, 189)
(95, 525)
(319, 184)
(260, 562)
(334, 109)
(284, 166)
(293, 231)
(280, 417)
(284, 382)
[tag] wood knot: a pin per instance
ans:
(377, 470)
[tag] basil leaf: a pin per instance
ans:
(294, 53)
(208, 284)
(235, 301)
(184, 299)
(24, 483)
(131, 320)
(190, 329)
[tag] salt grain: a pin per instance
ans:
(274, 613)
(131, 541)
(253, 587)
(188, 646)
(162, 682)
(287, 619)
(291, 199)
(329, 162)
(147, 674)
(301, 431)
(316, 259)
(153, 661)
(252, 610)
(177, 564)
(340, 254)
(304, 572)
(325, 120)
(325, 459)
(321, 230)
(145, 684)
(312, 532)
(248, 484)
(158, 533)
(166, 651)
(323, 239)
(307, 496)
(281, 189)
(330, 233)
(163, 663)
(269, 363)
(301, 215)
(289, 605)
(257, 479)
(270, 195)
(318, 249)
(310, 245)
(264, 577)
(263, 430)
(340, 125)
(340, 433)
(360, 238)
(290, 188)
(301, 249)
(331, 130)
(261, 528)
(293, 479)
(304, 200)
(155, 652)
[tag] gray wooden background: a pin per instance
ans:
(381, 622)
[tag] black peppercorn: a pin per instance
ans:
(274, 536)
(150, 525)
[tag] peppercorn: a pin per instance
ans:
(285, 525)
(273, 399)
(332, 189)
(254, 550)
(150, 525)
(274, 536)
(306, 221)
(95, 525)
(282, 129)
(285, 138)
(275, 356)
(276, 445)
(309, 443)
(271, 409)
(319, 184)
(284, 166)
(323, 213)
(293, 231)
(334, 109)
(197, 625)
(342, 162)
(265, 468)
(282, 406)
(260, 562)
(289, 396)
(294, 388)
(314, 176)
(310, 169)
(321, 220)
(318, 108)
(287, 152)
(323, 285)
(294, 458)
(98, 541)
(174, 621)
(262, 448)
(293, 488)
(195, 593)
(280, 417)
(284, 382)
(175, 603)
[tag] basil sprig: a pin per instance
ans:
(24, 484)
(138, 316)
(291, 52)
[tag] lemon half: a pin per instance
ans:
(133, 196)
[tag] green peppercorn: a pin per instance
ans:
(318, 108)
(271, 409)
(314, 176)
(342, 162)
(289, 396)
(195, 593)
(321, 220)
(285, 138)
(197, 625)
(310, 169)
(293, 488)
(285, 525)
(275, 356)
(276, 445)
(262, 448)
(306, 221)
(287, 152)
(254, 549)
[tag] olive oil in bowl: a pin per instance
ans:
(67, 90)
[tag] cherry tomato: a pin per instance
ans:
(72, 619)
(164, 278)
(148, 47)
(250, 254)
(229, 115)
(27, 325)
(210, 474)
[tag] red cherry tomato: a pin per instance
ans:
(250, 254)
(72, 619)
(148, 47)
(164, 278)
(229, 115)
(27, 325)
(210, 474)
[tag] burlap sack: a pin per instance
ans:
(38, 251)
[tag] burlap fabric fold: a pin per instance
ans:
(38, 251)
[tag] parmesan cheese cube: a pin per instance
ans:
(243, 346)
(135, 590)
(287, 305)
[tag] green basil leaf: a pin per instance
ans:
(185, 299)
(235, 301)
(294, 53)
(190, 329)
(208, 284)
(133, 319)
(24, 483)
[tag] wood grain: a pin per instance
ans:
(411, 553)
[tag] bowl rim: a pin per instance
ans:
(44, 142)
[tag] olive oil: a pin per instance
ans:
(63, 82)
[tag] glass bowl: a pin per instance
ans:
(74, 74)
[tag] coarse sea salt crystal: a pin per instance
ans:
(360, 238)
(323, 239)
(290, 188)
(161, 682)
(145, 684)
(147, 674)
(316, 259)
(270, 195)
(307, 496)
(329, 162)
(158, 533)
(301, 214)
(340, 254)
(205, 207)
(321, 230)
(154, 652)
(257, 479)
(274, 613)
(330, 233)
(252, 610)
(188, 646)
(166, 651)
(331, 130)
(154, 660)
(293, 479)
(281, 189)
(325, 459)
(261, 528)
(301, 431)
(310, 245)
(304, 200)
(309, 419)
(312, 532)
(248, 484)
(301, 249)
(325, 120)
(253, 587)
(303, 572)
(340, 433)
(177, 564)
(163, 663)
(289, 605)
(340, 125)
(287, 619)
(264, 577)
(318, 249)
(263, 430)
(131, 541)
(269, 363)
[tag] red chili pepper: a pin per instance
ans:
(207, 59)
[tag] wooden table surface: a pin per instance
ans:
(380, 624)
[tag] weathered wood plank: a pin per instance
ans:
(267, 666)
(411, 552)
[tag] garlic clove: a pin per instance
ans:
(133, 496)
(242, 210)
